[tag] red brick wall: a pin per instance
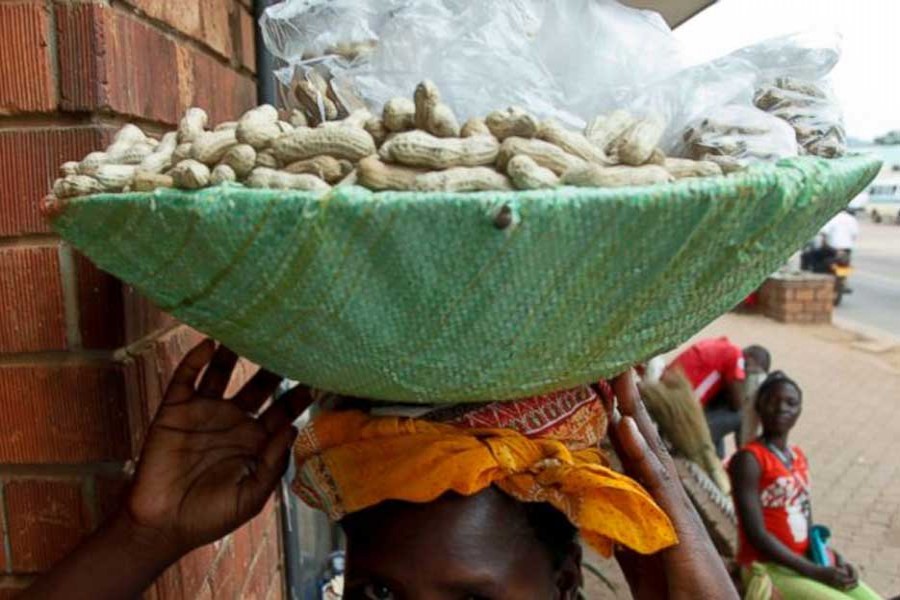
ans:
(83, 358)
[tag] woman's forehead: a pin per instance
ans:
(482, 540)
(782, 389)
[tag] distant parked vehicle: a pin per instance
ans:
(884, 202)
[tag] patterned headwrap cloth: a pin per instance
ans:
(543, 449)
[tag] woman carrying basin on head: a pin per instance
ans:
(457, 503)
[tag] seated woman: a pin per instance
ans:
(770, 484)
(456, 504)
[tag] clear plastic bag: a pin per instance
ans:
(738, 134)
(570, 60)
(809, 55)
(811, 109)
(554, 58)
(691, 95)
(793, 86)
(718, 108)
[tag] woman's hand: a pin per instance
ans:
(835, 577)
(208, 464)
(692, 569)
(842, 575)
(850, 571)
(207, 467)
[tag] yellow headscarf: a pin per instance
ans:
(349, 460)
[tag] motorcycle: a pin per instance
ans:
(841, 270)
(830, 262)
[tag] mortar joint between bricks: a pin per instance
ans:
(89, 498)
(30, 240)
(71, 303)
(61, 472)
(60, 358)
(53, 50)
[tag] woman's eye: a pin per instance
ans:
(376, 591)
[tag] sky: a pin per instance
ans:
(866, 80)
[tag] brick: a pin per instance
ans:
(216, 25)
(171, 348)
(110, 493)
(206, 21)
(4, 567)
(99, 46)
(805, 294)
(26, 74)
(774, 292)
(168, 585)
(143, 393)
(196, 567)
(29, 159)
(142, 317)
(221, 90)
(47, 519)
(226, 580)
(265, 567)
(32, 299)
(246, 43)
(149, 372)
(242, 549)
(183, 16)
(205, 593)
(263, 522)
(822, 318)
(184, 68)
(65, 413)
(821, 306)
(98, 50)
(100, 305)
(12, 587)
(146, 375)
(792, 307)
(276, 588)
(233, 567)
(778, 315)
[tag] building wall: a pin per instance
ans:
(84, 358)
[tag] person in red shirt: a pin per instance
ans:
(771, 489)
(716, 369)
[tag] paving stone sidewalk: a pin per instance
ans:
(850, 431)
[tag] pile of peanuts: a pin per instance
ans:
(416, 144)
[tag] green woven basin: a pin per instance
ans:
(419, 297)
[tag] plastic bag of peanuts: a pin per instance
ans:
(793, 86)
(482, 55)
(734, 136)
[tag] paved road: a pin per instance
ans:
(875, 301)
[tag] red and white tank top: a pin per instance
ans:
(785, 497)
